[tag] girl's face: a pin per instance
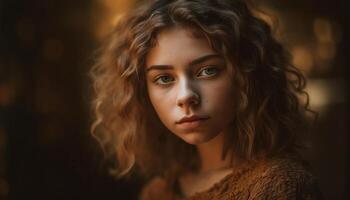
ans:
(189, 85)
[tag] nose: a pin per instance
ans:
(187, 95)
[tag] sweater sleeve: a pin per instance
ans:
(286, 183)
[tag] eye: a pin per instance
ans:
(163, 79)
(208, 71)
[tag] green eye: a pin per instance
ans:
(165, 79)
(209, 71)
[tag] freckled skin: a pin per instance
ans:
(188, 90)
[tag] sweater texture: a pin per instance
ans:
(281, 178)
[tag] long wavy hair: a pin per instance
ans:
(269, 116)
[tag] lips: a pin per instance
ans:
(191, 119)
(191, 122)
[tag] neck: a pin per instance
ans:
(210, 155)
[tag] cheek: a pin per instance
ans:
(161, 101)
(219, 94)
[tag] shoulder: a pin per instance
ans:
(157, 188)
(285, 178)
(286, 169)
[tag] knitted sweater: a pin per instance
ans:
(276, 179)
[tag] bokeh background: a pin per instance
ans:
(47, 48)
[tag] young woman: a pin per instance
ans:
(200, 98)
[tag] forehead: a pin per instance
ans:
(177, 44)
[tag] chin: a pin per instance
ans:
(196, 138)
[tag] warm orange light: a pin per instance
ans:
(112, 11)
(323, 30)
(303, 58)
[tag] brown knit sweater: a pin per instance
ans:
(276, 179)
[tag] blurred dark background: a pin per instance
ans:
(46, 50)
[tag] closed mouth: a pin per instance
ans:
(191, 119)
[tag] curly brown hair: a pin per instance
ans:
(269, 115)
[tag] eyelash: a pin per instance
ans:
(156, 81)
(215, 73)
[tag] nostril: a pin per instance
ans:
(192, 99)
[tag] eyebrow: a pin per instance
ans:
(193, 62)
